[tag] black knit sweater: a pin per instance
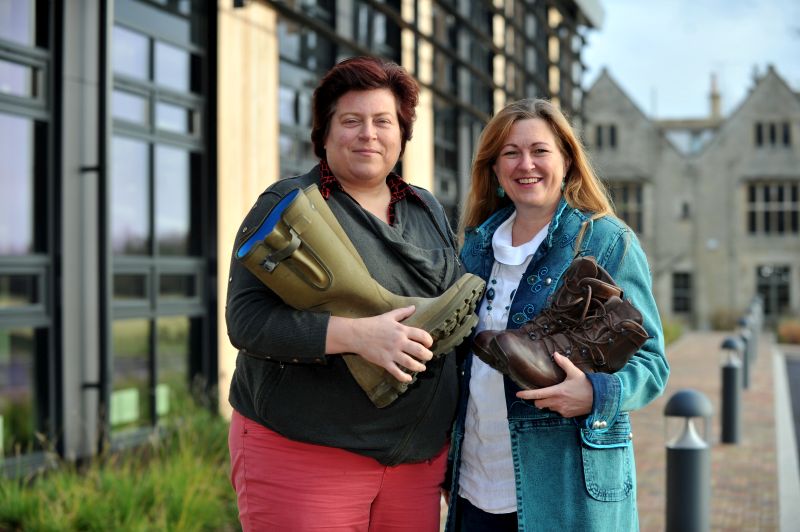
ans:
(307, 396)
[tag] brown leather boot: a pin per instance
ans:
(587, 286)
(604, 342)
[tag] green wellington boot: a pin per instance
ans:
(302, 253)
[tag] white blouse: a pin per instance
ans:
(487, 471)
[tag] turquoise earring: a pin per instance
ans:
(501, 192)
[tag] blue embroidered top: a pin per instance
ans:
(550, 451)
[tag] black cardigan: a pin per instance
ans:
(315, 399)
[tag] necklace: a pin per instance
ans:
(490, 301)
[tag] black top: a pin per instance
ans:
(316, 400)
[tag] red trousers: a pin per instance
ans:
(287, 485)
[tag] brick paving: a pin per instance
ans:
(744, 479)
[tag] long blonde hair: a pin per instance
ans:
(583, 189)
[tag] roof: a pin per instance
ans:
(593, 12)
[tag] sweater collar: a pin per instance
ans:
(399, 189)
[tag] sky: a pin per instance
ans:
(664, 52)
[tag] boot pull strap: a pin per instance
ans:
(273, 259)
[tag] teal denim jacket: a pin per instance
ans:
(572, 474)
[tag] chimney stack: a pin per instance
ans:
(716, 112)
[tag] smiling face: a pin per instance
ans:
(363, 141)
(530, 167)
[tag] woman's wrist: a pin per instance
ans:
(338, 338)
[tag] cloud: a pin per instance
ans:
(664, 53)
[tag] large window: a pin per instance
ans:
(605, 136)
(464, 88)
(772, 207)
(681, 292)
(27, 243)
(627, 197)
(376, 31)
(446, 163)
(773, 284)
(160, 212)
(773, 134)
(305, 55)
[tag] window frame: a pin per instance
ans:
(200, 147)
(682, 293)
(43, 317)
(772, 207)
(631, 208)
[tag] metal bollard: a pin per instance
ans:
(731, 391)
(744, 336)
(688, 465)
(747, 323)
(755, 319)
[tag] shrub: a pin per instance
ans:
(672, 330)
(177, 482)
(724, 319)
(789, 331)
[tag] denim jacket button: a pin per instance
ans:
(548, 281)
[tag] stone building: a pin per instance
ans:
(714, 200)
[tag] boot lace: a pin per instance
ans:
(562, 314)
(581, 339)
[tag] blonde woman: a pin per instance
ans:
(558, 457)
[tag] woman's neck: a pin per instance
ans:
(373, 198)
(528, 223)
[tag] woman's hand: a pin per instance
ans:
(382, 340)
(571, 398)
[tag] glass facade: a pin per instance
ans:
(463, 84)
(156, 195)
(523, 49)
(304, 57)
(27, 246)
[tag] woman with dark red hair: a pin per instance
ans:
(309, 448)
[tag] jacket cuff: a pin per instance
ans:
(607, 396)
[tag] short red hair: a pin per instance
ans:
(360, 74)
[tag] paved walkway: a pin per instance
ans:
(744, 478)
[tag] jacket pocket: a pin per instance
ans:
(608, 461)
